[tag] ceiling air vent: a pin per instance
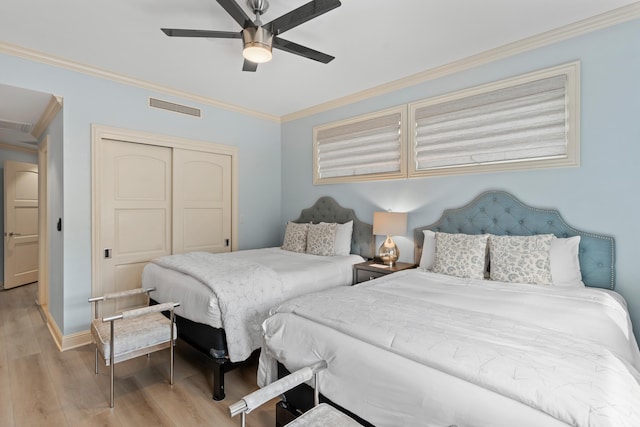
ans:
(172, 106)
(16, 126)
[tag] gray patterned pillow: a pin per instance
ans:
(461, 255)
(295, 237)
(521, 259)
(320, 238)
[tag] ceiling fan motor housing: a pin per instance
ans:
(258, 7)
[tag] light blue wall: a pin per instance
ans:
(16, 156)
(55, 199)
(600, 195)
(89, 100)
(275, 162)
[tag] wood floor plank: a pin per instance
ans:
(22, 344)
(34, 398)
(6, 404)
(77, 388)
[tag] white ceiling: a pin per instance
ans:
(374, 42)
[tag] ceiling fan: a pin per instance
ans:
(259, 38)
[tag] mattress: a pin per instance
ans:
(418, 348)
(270, 275)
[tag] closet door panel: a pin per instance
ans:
(201, 201)
(135, 217)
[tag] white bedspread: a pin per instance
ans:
(569, 353)
(243, 286)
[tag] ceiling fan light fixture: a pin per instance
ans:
(257, 45)
(258, 38)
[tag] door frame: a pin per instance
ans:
(43, 225)
(99, 133)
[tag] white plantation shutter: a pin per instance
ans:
(363, 148)
(525, 122)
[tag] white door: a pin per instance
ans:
(135, 214)
(201, 201)
(20, 223)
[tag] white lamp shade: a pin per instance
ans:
(390, 223)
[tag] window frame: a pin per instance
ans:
(572, 158)
(401, 173)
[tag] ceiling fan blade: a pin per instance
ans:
(297, 49)
(249, 66)
(178, 32)
(237, 13)
(301, 15)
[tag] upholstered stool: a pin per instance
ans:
(320, 415)
(323, 415)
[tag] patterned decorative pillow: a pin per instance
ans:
(521, 259)
(295, 237)
(321, 238)
(461, 255)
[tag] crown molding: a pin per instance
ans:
(55, 61)
(49, 113)
(598, 22)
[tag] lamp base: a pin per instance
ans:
(389, 252)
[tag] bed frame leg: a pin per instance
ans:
(218, 381)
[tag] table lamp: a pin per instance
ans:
(389, 224)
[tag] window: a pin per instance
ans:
(523, 123)
(363, 148)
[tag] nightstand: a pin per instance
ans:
(369, 270)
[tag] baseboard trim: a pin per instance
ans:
(67, 342)
(76, 340)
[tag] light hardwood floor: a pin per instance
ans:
(41, 386)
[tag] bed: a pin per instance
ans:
(424, 347)
(225, 297)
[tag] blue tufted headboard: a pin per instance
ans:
(326, 209)
(500, 213)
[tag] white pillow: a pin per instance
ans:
(461, 255)
(320, 239)
(295, 237)
(342, 244)
(521, 259)
(428, 257)
(565, 264)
